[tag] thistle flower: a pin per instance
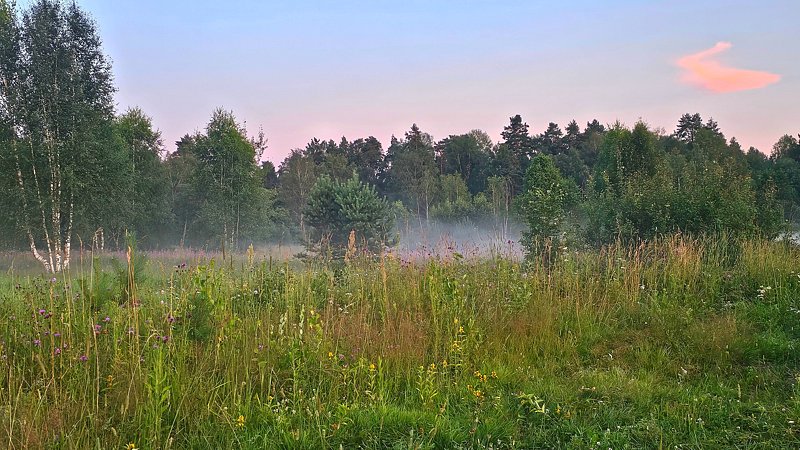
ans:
(83, 358)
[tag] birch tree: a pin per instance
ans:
(56, 95)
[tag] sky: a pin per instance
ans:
(301, 69)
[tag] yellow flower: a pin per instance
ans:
(131, 446)
(110, 379)
(240, 422)
(494, 374)
(372, 367)
(330, 354)
(432, 367)
(478, 394)
(444, 363)
(461, 330)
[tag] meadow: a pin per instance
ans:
(675, 343)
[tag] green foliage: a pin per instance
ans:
(56, 128)
(147, 207)
(339, 211)
(232, 204)
(466, 155)
(413, 174)
(708, 191)
(542, 205)
(455, 204)
(511, 157)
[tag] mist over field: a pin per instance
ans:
(467, 240)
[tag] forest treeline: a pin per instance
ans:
(72, 169)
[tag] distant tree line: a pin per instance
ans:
(72, 170)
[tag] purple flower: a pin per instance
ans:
(107, 319)
(97, 329)
(42, 312)
(164, 339)
(83, 358)
(56, 334)
(170, 319)
(53, 280)
(37, 342)
(130, 331)
(57, 351)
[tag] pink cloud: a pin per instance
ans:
(702, 70)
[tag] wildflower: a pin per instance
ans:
(110, 380)
(478, 393)
(57, 351)
(53, 280)
(240, 421)
(83, 358)
(432, 367)
(444, 364)
(372, 367)
(494, 374)
(56, 334)
(330, 355)
(460, 330)
(131, 446)
(98, 328)
(107, 319)
(42, 312)
(37, 342)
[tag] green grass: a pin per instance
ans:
(676, 343)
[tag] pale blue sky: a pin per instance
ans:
(303, 69)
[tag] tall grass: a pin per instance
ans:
(678, 342)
